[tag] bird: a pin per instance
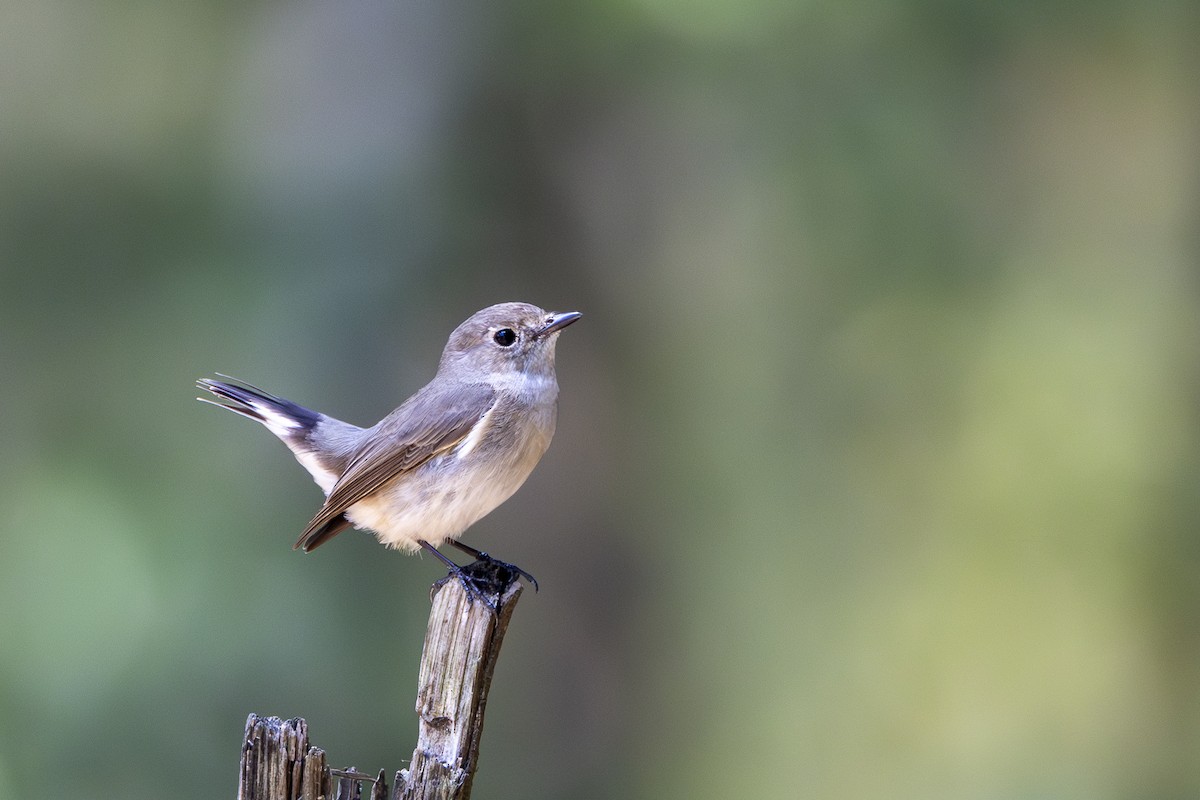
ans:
(447, 456)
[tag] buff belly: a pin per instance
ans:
(441, 498)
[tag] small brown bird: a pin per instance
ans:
(448, 455)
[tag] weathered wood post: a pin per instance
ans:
(278, 764)
(462, 643)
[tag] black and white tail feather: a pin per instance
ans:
(290, 422)
(319, 442)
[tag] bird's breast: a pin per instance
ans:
(445, 495)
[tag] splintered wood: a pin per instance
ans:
(462, 644)
(278, 764)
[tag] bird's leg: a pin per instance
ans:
(486, 586)
(479, 555)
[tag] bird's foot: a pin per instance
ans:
(485, 579)
(503, 566)
(481, 580)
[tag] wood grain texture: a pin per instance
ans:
(462, 644)
(278, 763)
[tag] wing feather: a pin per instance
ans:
(428, 424)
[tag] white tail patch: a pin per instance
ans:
(279, 424)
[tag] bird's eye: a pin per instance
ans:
(505, 337)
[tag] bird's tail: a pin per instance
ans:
(290, 422)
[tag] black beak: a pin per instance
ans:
(556, 323)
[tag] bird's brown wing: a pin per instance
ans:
(430, 423)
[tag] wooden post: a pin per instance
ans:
(462, 643)
(278, 764)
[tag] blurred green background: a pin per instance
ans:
(876, 472)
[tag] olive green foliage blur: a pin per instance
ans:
(877, 463)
